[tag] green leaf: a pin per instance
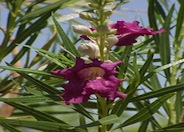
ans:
(146, 112)
(59, 59)
(40, 125)
(10, 127)
(146, 65)
(26, 70)
(32, 29)
(125, 57)
(66, 41)
(144, 125)
(64, 18)
(160, 9)
(179, 127)
(180, 20)
(119, 107)
(79, 108)
(164, 46)
(82, 121)
(136, 71)
(161, 69)
(24, 50)
(31, 98)
(154, 79)
(43, 86)
(41, 116)
(111, 119)
(45, 47)
(152, 18)
(160, 92)
(43, 10)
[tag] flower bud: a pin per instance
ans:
(86, 16)
(90, 49)
(111, 40)
(112, 31)
(95, 34)
(94, 6)
(102, 29)
(81, 29)
(109, 1)
(107, 13)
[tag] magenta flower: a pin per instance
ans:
(85, 79)
(127, 32)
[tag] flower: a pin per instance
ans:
(85, 79)
(127, 32)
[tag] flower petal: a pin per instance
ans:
(74, 93)
(105, 87)
(128, 32)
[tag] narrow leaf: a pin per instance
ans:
(180, 21)
(31, 99)
(161, 69)
(179, 127)
(40, 125)
(146, 112)
(146, 64)
(164, 46)
(43, 86)
(143, 127)
(59, 59)
(111, 119)
(43, 10)
(41, 116)
(25, 70)
(160, 92)
(79, 108)
(66, 41)
(24, 50)
(10, 127)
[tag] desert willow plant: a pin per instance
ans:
(96, 86)
(95, 73)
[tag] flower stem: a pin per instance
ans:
(102, 112)
(173, 81)
(101, 47)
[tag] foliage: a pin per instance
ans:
(153, 70)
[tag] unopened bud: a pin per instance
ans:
(86, 16)
(81, 29)
(111, 40)
(95, 34)
(102, 29)
(112, 31)
(90, 49)
(109, 1)
(94, 6)
(107, 13)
